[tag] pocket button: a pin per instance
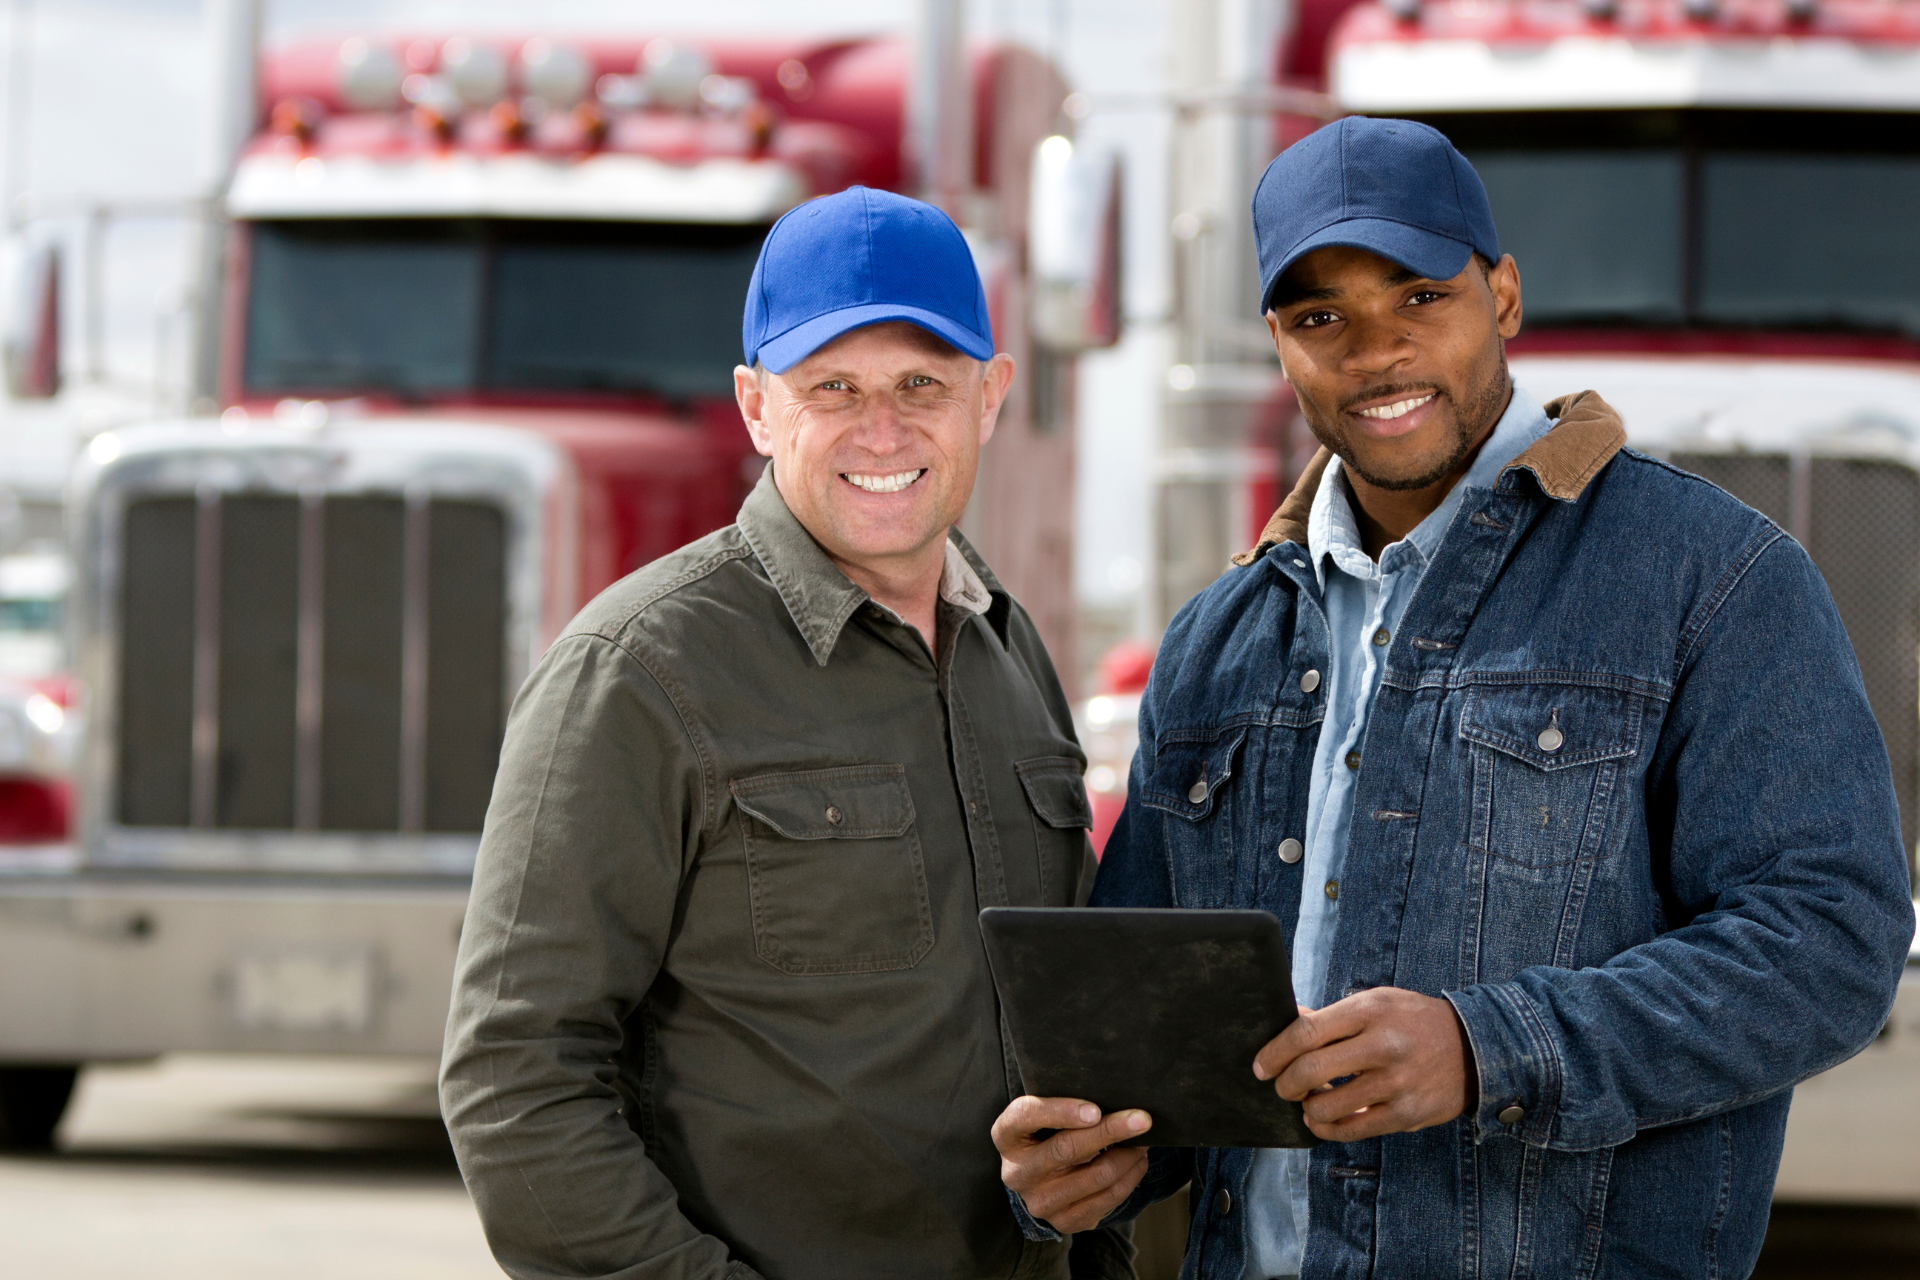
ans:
(833, 815)
(1309, 682)
(1513, 1113)
(1197, 793)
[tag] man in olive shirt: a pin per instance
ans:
(721, 1007)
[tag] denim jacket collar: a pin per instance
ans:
(820, 598)
(1587, 435)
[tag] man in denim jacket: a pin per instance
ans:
(1554, 762)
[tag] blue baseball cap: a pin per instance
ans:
(1391, 187)
(856, 258)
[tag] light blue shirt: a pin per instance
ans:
(1365, 601)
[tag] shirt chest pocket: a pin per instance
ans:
(1546, 763)
(1062, 815)
(835, 873)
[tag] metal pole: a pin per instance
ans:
(941, 109)
(233, 37)
(19, 107)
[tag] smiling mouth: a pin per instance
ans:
(872, 483)
(1398, 409)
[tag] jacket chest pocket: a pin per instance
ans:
(1192, 784)
(1546, 761)
(1062, 816)
(835, 874)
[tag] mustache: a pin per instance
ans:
(1396, 390)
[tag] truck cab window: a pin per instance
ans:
(1680, 217)
(442, 307)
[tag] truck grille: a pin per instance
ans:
(1860, 521)
(323, 663)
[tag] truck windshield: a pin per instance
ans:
(426, 307)
(1721, 218)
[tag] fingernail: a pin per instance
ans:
(1259, 1071)
(1137, 1121)
(1089, 1114)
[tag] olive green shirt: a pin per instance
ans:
(721, 1006)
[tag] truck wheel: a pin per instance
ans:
(32, 1100)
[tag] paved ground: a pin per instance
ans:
(230, 1169)
(236, 1168)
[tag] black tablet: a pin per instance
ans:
(1158, 1009)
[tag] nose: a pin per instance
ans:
(883, 429)
(1375, 345)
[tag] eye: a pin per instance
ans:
(1421, 297)
(919, 380)
(1315, 319)
(834, 384)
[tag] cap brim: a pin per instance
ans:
(1425, 253)
(781, 353)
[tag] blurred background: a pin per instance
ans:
(349, 347)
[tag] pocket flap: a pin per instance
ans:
(857, 802)
(1554, 726)
(1188, 773)
(1055, 791)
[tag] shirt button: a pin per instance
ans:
(833, 815)
(973, 807)
(1223, 1203)
(1290, 850)
(1353, 759)
(1333, 890)
(1309, 682)
(1381, 637)
(1513, 1113)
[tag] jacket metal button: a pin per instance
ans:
(1381, 637)
(1513, 1113)
(833, 815)
(1353, 759)
(1309, 682)
(1223, 1203)
(1551, 738)
(1197, 793)
(1333, 890)
(1290, 850)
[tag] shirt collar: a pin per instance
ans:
(1332, 531)
(819, 597)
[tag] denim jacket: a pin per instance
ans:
(1622, 802)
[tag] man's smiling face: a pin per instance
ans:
(875, 439)
(1401, 376)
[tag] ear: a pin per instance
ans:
(1504, 281)
(752, 399)
(995, 378)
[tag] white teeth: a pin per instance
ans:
(1397, 409)
(884, 484)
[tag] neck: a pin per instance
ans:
(1387, 515)
(909, 585)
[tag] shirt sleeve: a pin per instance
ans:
(1775, 833)
(596, 810)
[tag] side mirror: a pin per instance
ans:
(1073, 246)
(30, 343)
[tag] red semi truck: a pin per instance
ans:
(481, 311)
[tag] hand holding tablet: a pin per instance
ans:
(1178, 1028)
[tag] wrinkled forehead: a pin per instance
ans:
(891, 344)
